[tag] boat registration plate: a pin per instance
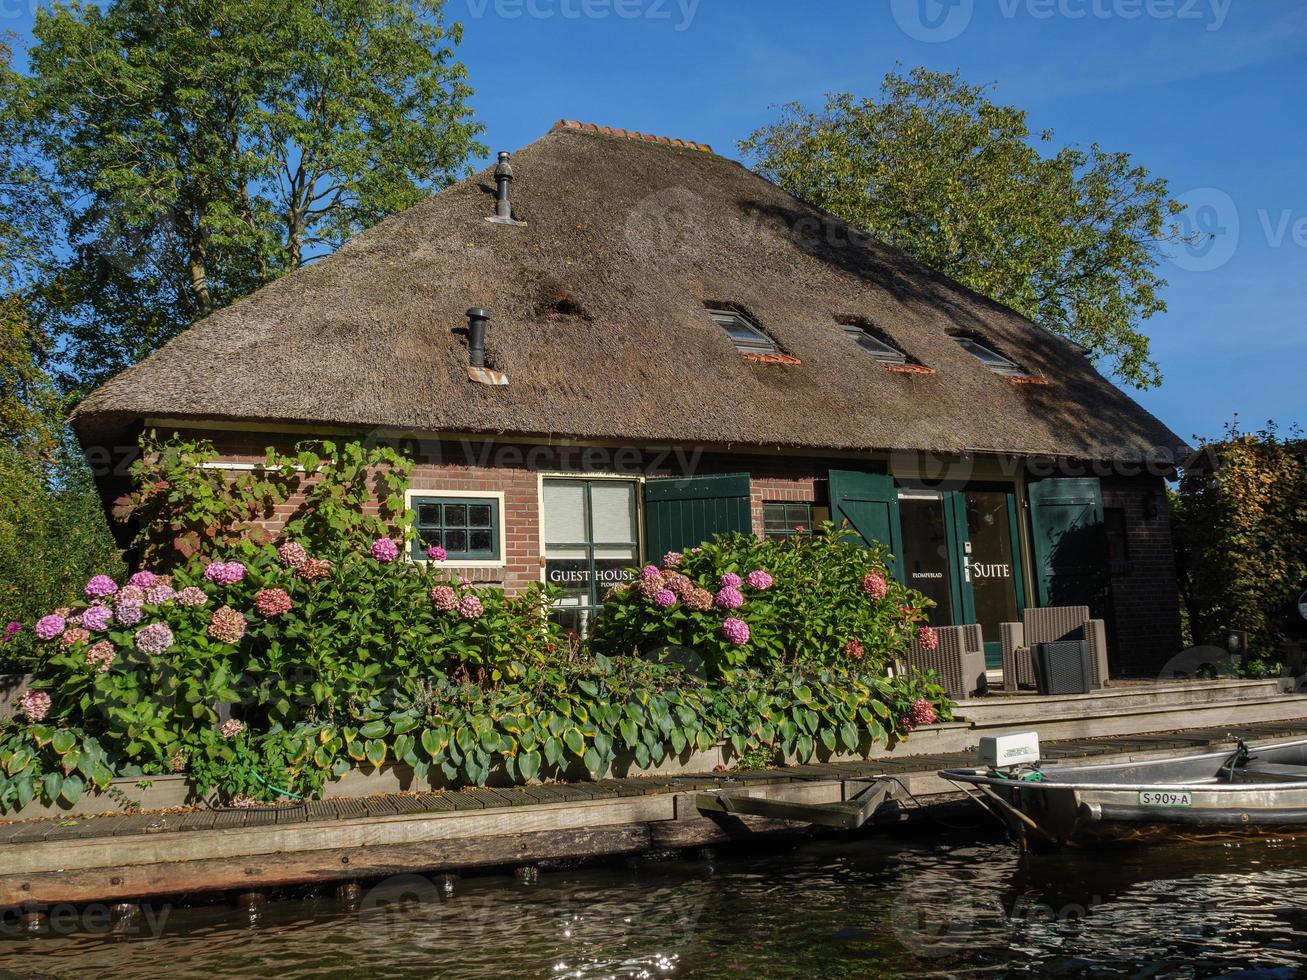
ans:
(1159, 797)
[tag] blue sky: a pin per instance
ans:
(1210, 94)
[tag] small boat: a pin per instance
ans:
(1248, 791)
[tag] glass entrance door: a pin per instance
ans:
(991, 564)
(960, 549)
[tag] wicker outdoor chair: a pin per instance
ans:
(959, 660)
(1049, 626)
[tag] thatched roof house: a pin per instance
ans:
(599, 324)
(647, 292)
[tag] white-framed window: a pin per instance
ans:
(590, 531)
(746, 335)
(992, 359)
(468, 524)
(881, 350)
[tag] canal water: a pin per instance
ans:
(932, 903)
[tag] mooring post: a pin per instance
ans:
(349, 893)
(446, 884)
(33, 919)
(527, 874)
(252, 902)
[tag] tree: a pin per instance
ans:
(959, 182)
(202, 149)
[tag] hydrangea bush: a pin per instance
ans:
(813, 602)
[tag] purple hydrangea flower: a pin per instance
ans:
(758, 579)
(729, 597)
(673, 559)
(153, 639)
(736, 630)
(12, 630)
(100, 586)
(35, 705)
(224, 572)
(158, 594)
(650, 572)
(129, 595)
(436, 553)
(143, 580)
(384, 550)
(664, 598)
(129, 614)
(97, 618)
(730, 581)
(444, 598)
(48, 627)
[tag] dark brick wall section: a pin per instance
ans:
(1145, 627)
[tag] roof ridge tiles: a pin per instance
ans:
(630, 134)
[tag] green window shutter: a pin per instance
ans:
(681, 514)
(870, 503)
(1069, 541)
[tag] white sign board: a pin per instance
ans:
(1302, 605)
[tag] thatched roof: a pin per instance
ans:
(599, 323)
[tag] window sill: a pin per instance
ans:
(1028, 379)
(909, 369)
(772, 359)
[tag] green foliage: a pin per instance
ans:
(813, 610)
(185, 506)
(245, 768)
(1241, 538)
(53, 765)
(53, 537)
(933, 166)
(203, 149)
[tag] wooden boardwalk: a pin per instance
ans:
(121, 857)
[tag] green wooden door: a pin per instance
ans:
(680, 514)
(870, 504)
(1069, 542)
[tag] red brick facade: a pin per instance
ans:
(1144, 607)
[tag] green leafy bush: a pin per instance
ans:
(813, 602)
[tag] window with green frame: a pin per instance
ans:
(466, 527)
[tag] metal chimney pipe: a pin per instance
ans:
(503, 180)
(477, 319)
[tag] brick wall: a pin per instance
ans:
(1145, 626)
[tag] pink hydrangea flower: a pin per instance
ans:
(227, 625)
(927, 638)
(35, 705)
(650, 587)
(731, 581)
(313, 569)
(97, 618)
(650, 572)
(729, 597)
(143, 580)
(73, 636)
(699, 600)
(231, 728)
(436, 553)
(153, 639)
(12, 630)
(129, 614)
(160, 593)
(680, 584)
(100, 656)
(384, 550)
(758, 579)
(292, 554)
(224, 572)
(192, 596)
(272, 602)
(874, 586)
(444, 598)
(48, 627)
(129, 595)
(923, 712)
(100, 586)
(736, 630)
(469, 607)
(673, 559)
(664, 598)
(854, 650)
